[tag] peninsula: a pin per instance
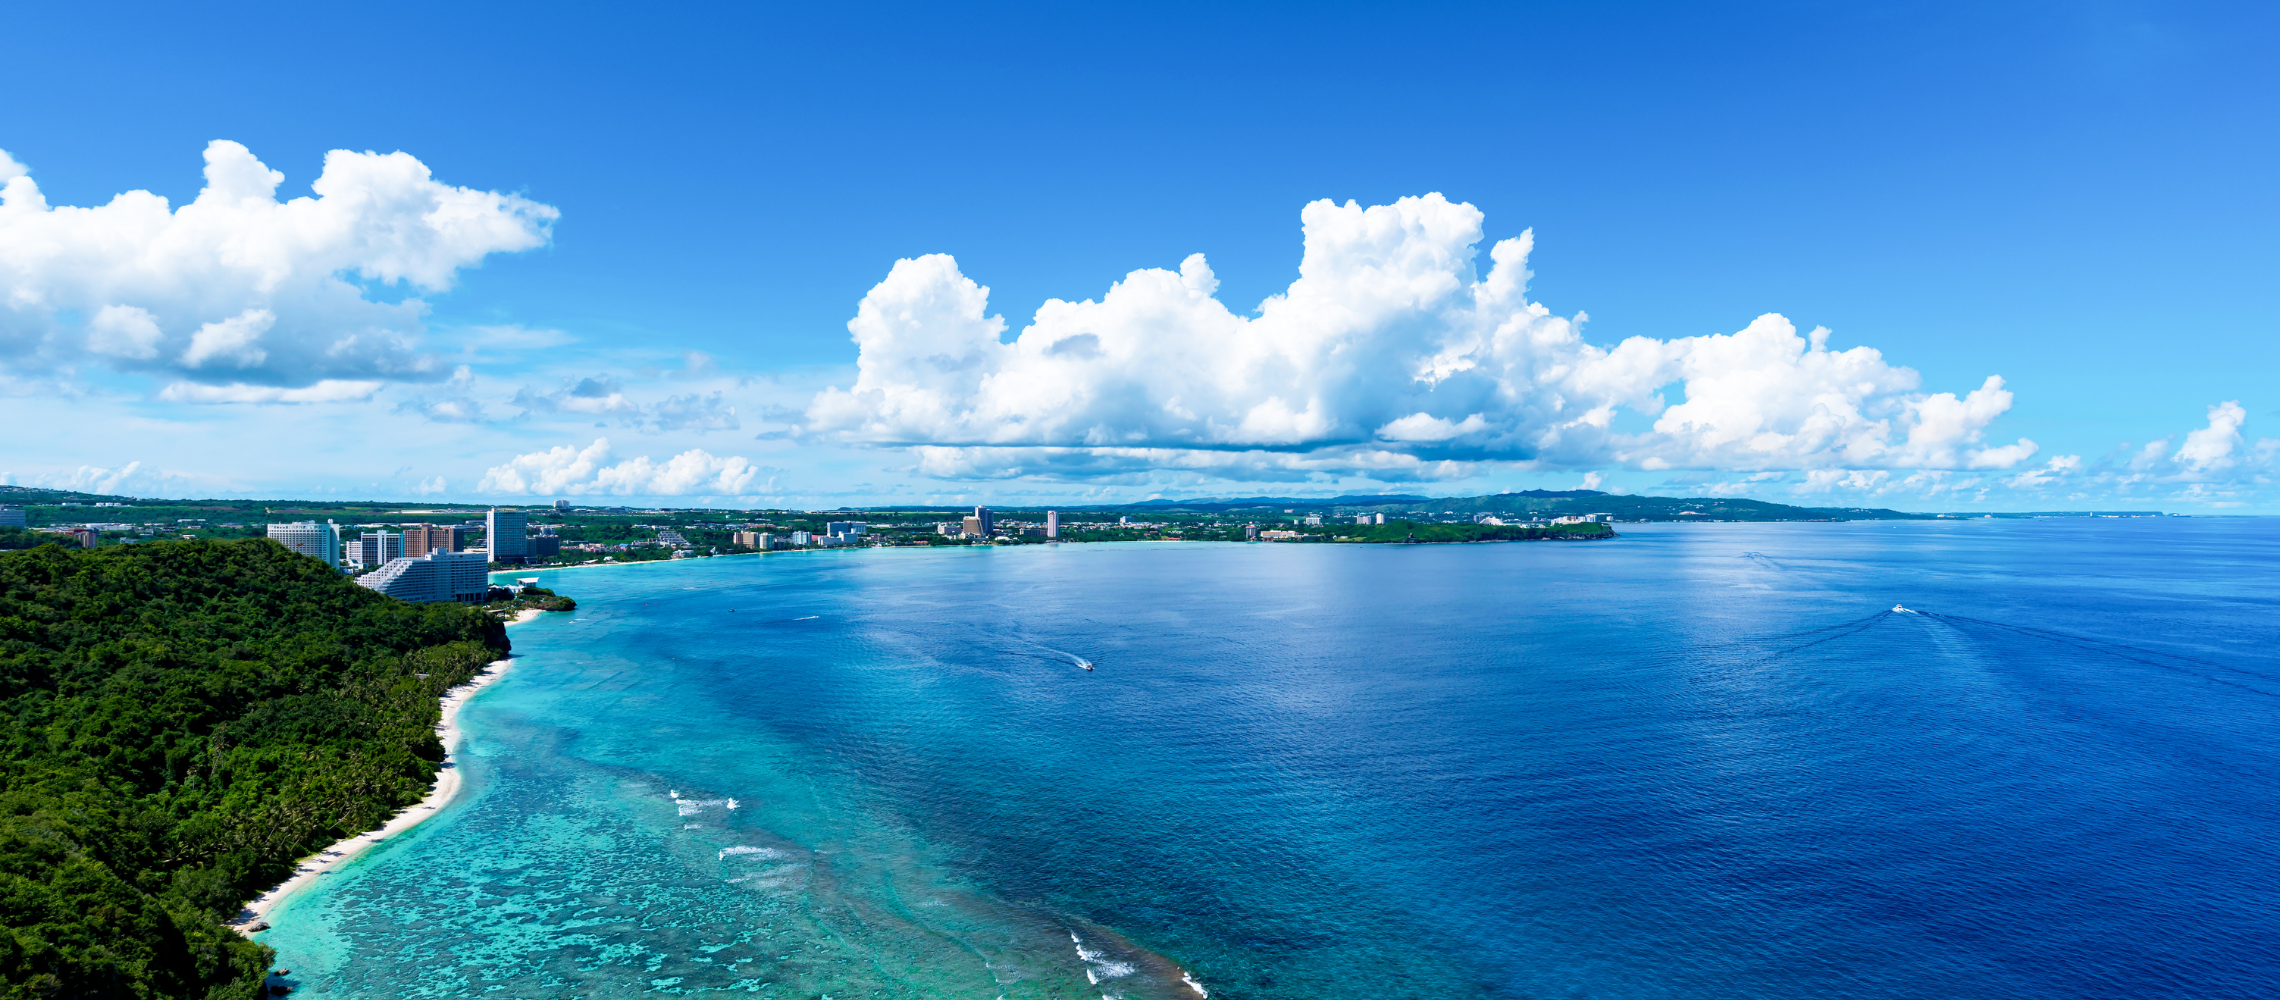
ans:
(184, 722)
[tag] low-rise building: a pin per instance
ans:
(11, 517)
(672, 538)
(1280, 536)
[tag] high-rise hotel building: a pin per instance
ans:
(317, 541)
(506, 535)
(421, 539)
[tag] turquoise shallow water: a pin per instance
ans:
(1698, 761)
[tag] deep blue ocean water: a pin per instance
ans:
(1695, 761)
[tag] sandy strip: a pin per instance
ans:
(446, 788)
(528, 570)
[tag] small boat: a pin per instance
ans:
(1900, 610)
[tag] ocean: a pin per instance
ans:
(1695, 761)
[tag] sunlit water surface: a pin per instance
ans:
(1696, 761)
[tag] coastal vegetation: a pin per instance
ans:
(584, 535)
(530, 599)
(181, 722)
(1411, 531)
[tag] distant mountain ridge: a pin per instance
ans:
(1349, 500)
(1549, 503)
(1553, 503)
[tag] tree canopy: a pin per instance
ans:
(180, 722)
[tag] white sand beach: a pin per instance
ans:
(641, 562)
(446, 787)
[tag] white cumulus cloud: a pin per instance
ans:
(237, 287)
(569, 470)
(2210, 449)
(1390, 357)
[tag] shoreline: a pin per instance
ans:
(637, 562)
(447, 785)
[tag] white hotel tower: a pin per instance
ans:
(317, 541)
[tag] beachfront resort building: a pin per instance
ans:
(760, 540)
(1052, 524)
(421, 539)
(505, 535)
(317, 541)
(988, 520)
(374, 549)
(1584, 519)
(437, 576)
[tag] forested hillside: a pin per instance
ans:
(179, 723)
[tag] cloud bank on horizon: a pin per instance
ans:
(1390, 357)
(572, 471)
(238, 297)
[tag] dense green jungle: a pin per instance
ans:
(183, 721)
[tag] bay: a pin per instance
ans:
(1694, 761)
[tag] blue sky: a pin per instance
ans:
(2077, 198)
